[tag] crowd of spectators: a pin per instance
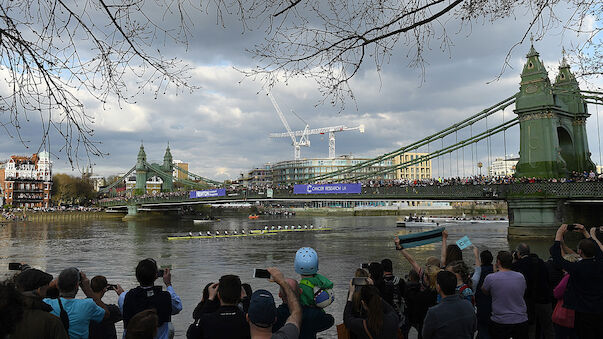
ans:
(513, 295)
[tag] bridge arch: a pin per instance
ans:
(566, 147)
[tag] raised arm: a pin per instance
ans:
(406, 255)
(593, 235)
(443, 250)
(292, 300)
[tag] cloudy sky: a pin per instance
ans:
(222, 128)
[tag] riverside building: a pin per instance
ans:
(303, 170)
(420, 170)
(27, 181)
(502, 167)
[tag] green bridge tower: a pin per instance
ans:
(553, 143)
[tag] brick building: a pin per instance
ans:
(27, 181)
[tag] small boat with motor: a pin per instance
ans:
(254, 216)
(411, 221)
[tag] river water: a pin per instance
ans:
(113, 248)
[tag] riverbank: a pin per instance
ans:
(490, 210)
(37, 216)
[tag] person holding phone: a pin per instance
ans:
(147, 295)
(106, 328)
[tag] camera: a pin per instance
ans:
(160, 273)
(261, 273)
(364, 265)
(111, 287)
(15, 266)
(571, 227)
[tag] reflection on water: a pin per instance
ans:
(113, 248)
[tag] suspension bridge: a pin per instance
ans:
(553, 144)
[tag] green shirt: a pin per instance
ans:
(308, 285)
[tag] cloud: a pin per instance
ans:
(222, 129)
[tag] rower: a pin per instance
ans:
(242, 231)
(279, 227)
(190, 234)
(272, 228)
(311, 226)
(299, 227)
(217, 232)
(306, 227)
(265, 228)
(286, 227)
(225, 232)
(235, 232)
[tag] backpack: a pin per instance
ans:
(464, 287)
(393, 295)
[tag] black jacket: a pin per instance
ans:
(314, 320)
(538, 286)
(585, 286)
(223, 322)
(140, 299)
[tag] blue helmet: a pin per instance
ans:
(306, 261)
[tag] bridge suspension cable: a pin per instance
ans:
(109, 187)
(435, 154)
(438, 135)
(164, 176)
(209, 181)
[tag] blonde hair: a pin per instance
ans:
(433, 261)
(571, 257)
(431, 273)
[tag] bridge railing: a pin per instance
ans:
(557, 190)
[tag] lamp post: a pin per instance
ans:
(479, 165)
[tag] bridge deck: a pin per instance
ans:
(549, 190)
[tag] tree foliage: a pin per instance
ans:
(55, 52)
(330, 40)
(67, 189)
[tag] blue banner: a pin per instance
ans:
(327, 189)
(220, 192)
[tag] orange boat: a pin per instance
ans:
(254, 216)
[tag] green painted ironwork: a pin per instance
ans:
(425, 141)
(449, 149)
(198, 177)
(122, 178)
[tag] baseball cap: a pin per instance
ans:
(262, 309)
(32, 279)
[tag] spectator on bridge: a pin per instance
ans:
(147, 296)
(76, 314)
(584, 293)
(262, 312)
(539, 293)
(220, 316)
(509, 317)
(106, 328)
(483, 302)
(37, 321)
(314, 320)
(453, 317)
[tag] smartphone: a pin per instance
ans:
(359, 281)
(15, 266)
(111, 287)
(160, 273)
(261, 273)
(571, 227)
(364, 265)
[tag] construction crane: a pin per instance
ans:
(304, 139)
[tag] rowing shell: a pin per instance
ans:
(290, 230)
(217, 236)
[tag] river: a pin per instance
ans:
(113, 248)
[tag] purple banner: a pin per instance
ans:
(327, 189)
(220, 192)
